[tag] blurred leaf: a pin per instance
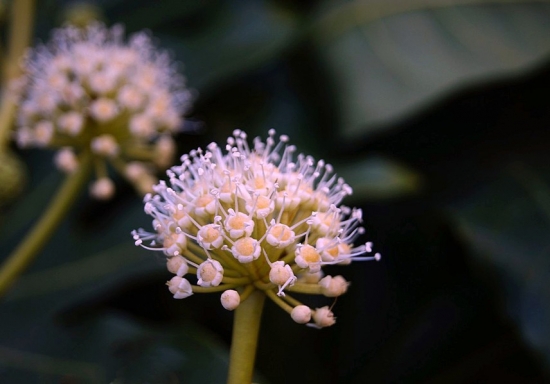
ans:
(389, 58)
(108, 346)
(379, 178)
(88, 273)
(232, 37)
(25, 211)
(508, 224)
(21, 366)
(156, 14)
(81, 256)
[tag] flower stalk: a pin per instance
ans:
(246, 328)
(20, 32)
(29, 247)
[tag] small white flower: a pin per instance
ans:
(205, 205)
(308, 257)
(43, 133)
(136, 170)
(333, 286)
(210, 237)
(246, 250)
(180, 287)
(105, 145)
(307, 277)
(261, 206)
(71, 123)
(103, 109)
(24, 137)
(165, 149)
(282, 275)
(142, 126)
(103, 82)
(238, 225)
(102, 189)
(280, 236)
(327, 223)
(66, 160)
(323, 317)
(210, 273)
(174, 244)
(131, 97)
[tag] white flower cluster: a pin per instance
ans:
(255, 218)
(89, 90)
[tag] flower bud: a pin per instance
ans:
(310, 277)
(103, 109)
(136, 170)
(177, 265)
(301, 314)
(105, 145)
(230, 299)
(280, 273)
(66, 160)
(165, 149)
(174, 244)
(333, 286)
(179, 287)
(102, 189)
(323, 317)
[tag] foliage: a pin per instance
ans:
(437, 114)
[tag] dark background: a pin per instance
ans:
(438, 116)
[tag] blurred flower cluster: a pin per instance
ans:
(255, 218)
(90, 91)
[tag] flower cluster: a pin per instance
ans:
(257, 218)
(88, 90)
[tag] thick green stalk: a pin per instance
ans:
(246, 328)
(23, 255)
(20, 32)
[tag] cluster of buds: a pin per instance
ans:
(88, 90)
(255, 218)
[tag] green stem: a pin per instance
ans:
(246, 328)
(21, 26)
(23, 255)
(217, 288)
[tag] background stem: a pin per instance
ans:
(20, 32)
(27, 249)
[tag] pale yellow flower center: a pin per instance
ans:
(203, 201)
(211, 235)
(208, 272)
(263, 202)
(310, 254)
(281, 232)
(237, 222)
(170, 240)
(245, 246)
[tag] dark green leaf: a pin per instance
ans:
(388, 59)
